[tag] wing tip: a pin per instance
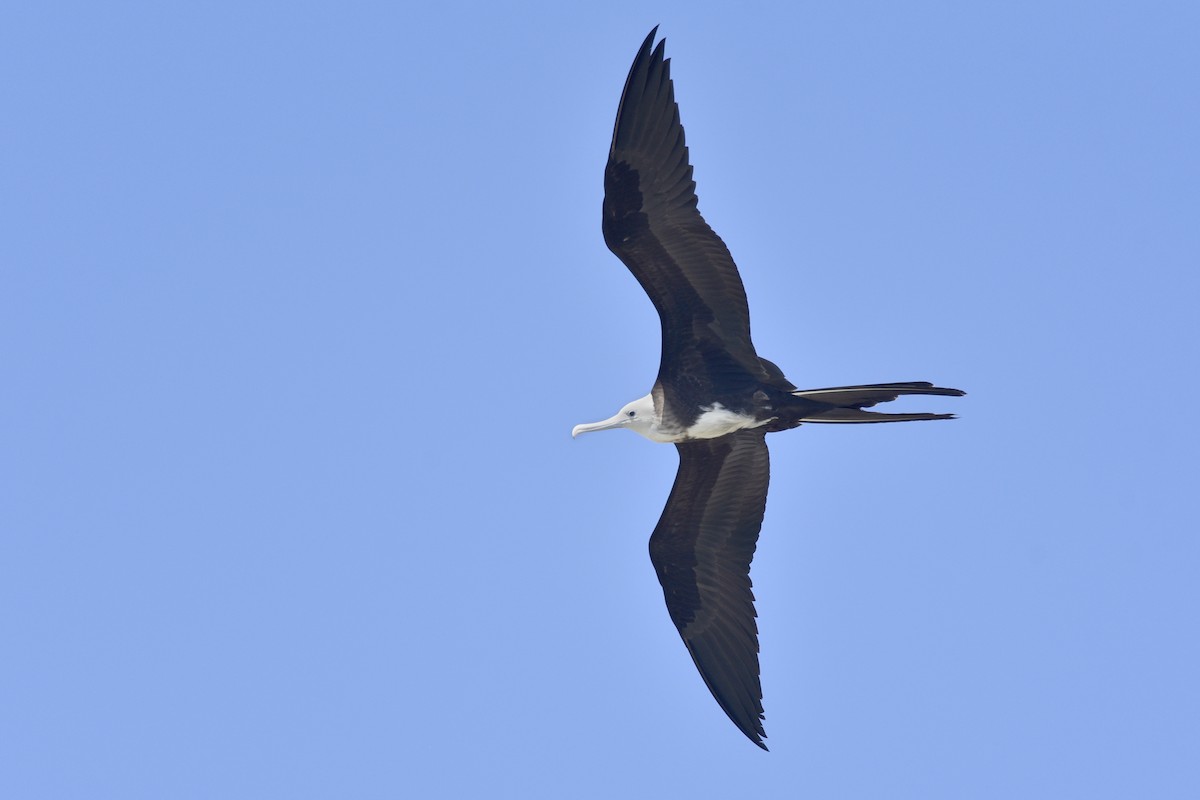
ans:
(756, 733)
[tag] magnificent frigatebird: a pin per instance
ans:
(715, 398)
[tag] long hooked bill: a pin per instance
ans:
(616, 420)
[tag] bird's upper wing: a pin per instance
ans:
(652, 224)
(701, 551)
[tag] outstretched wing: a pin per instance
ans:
(701, 551)
(652, 224)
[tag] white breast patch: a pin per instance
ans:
(716, 420)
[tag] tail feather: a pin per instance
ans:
(843, 404)
(858, 415)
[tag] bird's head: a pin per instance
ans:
(639, 416)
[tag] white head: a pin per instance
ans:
(639, 416)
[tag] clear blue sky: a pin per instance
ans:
(299, 303)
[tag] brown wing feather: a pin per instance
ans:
(701, 550)
(652, 224)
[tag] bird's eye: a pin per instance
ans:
(632, 414)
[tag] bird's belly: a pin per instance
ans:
(716, 420)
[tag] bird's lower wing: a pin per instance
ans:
(701, 550)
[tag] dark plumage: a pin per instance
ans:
(714, 397)
(701, 550)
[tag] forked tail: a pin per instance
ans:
(846, 403)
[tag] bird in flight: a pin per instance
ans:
(715, 398)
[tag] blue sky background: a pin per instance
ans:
(299, 303)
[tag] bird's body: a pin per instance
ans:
(715, 398)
